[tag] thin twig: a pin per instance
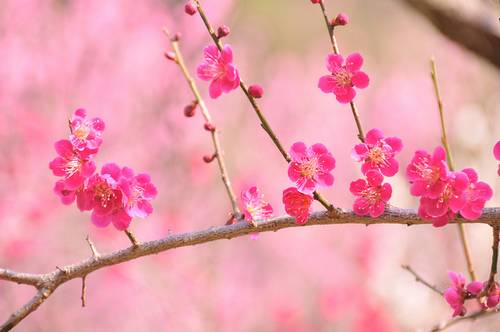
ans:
(494, 261)
(449, 159)
(336, 50)
(206, 114)
(84, 288)
(418, 278)
(263, 121)
(132, 238)
(93, 248)
(49, 282)
(475, 315)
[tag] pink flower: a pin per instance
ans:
(427, 173)
(496, 153)
(452, 198)
(104, 196)
(493, 296)
(372, 194)
(66, 195)
(476, 195)
(310, 167)
(455, 295)
(255, 208)
(218, 68)
(297, 204)
(377, 153)
(75, 166)
(138, 191)
(344, 77)
(86, 134)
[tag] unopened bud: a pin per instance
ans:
(190, 109)
(177, 36)
(170, 56)
(341, 19)
(256, 91)
(315, 1)
(190, 8)
(209, 127)
(223, 31)
(209, 158)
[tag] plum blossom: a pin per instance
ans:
(138, 191)
(427, 174)
(75, 166)
(452, 198)
(476, 195)
(254, 206)
(377, 153)
(371, 194)
(297, 204)
(310, 167)
(218, 67)
(86, 134)
(104, 197)
(496, 153)
(493, 296)
(344, 77)
(65, 194)
(455, 295)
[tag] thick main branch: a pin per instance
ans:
(48, 282)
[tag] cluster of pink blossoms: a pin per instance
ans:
(309, 169)
(444, 193)
(377, 157)
(116, 195)
(458, 293)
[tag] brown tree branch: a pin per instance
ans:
(47, 283)
(214, 134)
(336, 50)
(263, 121)
(418, 278)
(473, 316)
(451, 166)
(480, 33)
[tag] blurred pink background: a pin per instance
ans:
(107, 57)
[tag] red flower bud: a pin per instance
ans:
(190, 109)
(256, 91)
(315, 1)
(190, 8)
(177, 36)
(341, 19)
(209, 127)
(223, 31)
(209, 158)
(170, 56)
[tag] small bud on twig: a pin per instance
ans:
(256, 91)
(209, 158)
(223, 31)
(190, 110)
(315, 1)
(177, 37)
(209, 127)
(170, 56)
(190, 8)
(341, 19)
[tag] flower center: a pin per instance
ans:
(371, 194)
(73, 166)
(82, 131)
(377, 156)
(308, 168)
(343, 78)
(104, 193)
